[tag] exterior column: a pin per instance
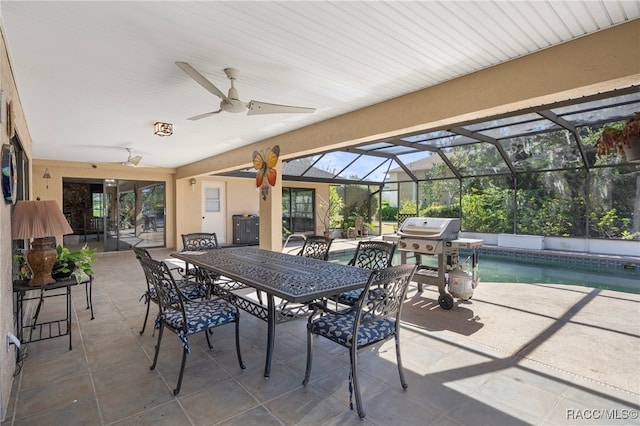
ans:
(271, 214)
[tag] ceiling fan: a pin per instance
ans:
(131, 160)
(231, 102)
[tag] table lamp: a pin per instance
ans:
(39, 220)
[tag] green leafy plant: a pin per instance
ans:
(613, 139)
(77, 262)
(21, 263)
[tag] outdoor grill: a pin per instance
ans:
(427, 235)
(434, 236)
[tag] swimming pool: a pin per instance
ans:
(495, 268)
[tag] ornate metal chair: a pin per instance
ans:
(375, 319)
(190, 289)
(186, 317)
(374, 255)
(316, 246)
(200, 241)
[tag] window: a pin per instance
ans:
(98, 204)
(212, 200)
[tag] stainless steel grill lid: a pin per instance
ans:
(431, 228)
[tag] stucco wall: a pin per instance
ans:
(241, 197)
(7, 359)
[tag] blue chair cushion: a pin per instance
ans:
(189, 289)
(201, 316)
(350, 297)
(339, 328)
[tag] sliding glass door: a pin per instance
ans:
(134, 215)
(297, 210)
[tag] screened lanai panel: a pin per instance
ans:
(363, 168)
(613, 113)
(440, 170)
(416, 157)
(380, 173)
(588, 136)
(422, 137)
(552, 203)
(615, 195)
(389, 149)
(335, 162)
(488, 204)
(502, 122)
(521, 129)
(426, 165)
(530, 141)
(544, 151)
(439, 198)
(303, 167)
(382, 147)
(477, 159)
(299, 166)
(442, 139)
(604, 104)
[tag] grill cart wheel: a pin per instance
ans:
(446, 301)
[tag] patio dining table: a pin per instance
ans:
(296, 279)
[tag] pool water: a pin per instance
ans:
(493, 268)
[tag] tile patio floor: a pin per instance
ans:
(543, 355)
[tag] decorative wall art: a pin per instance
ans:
(11, 131)
(264, 163)
(9, 173)
(3, 106)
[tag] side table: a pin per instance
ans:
(48, 329)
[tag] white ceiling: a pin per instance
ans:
(93, 77)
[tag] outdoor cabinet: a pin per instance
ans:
(246, 229)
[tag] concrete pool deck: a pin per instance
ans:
(589, 332)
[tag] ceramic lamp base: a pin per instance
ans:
(40, 260)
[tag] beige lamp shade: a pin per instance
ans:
(38, 220)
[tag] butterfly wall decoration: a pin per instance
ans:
(266, 174)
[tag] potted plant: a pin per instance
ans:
(624, 141)
(23, 270)
(74, 263)
(367, 228)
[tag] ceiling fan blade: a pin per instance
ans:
(135, 160)
(256, 107)
(206, 114)
(200, 79)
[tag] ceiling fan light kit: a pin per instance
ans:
(131, 160)
(232, 102)
(162, 129)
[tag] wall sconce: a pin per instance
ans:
(46, 176)
(192, 183)
(162, 129)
